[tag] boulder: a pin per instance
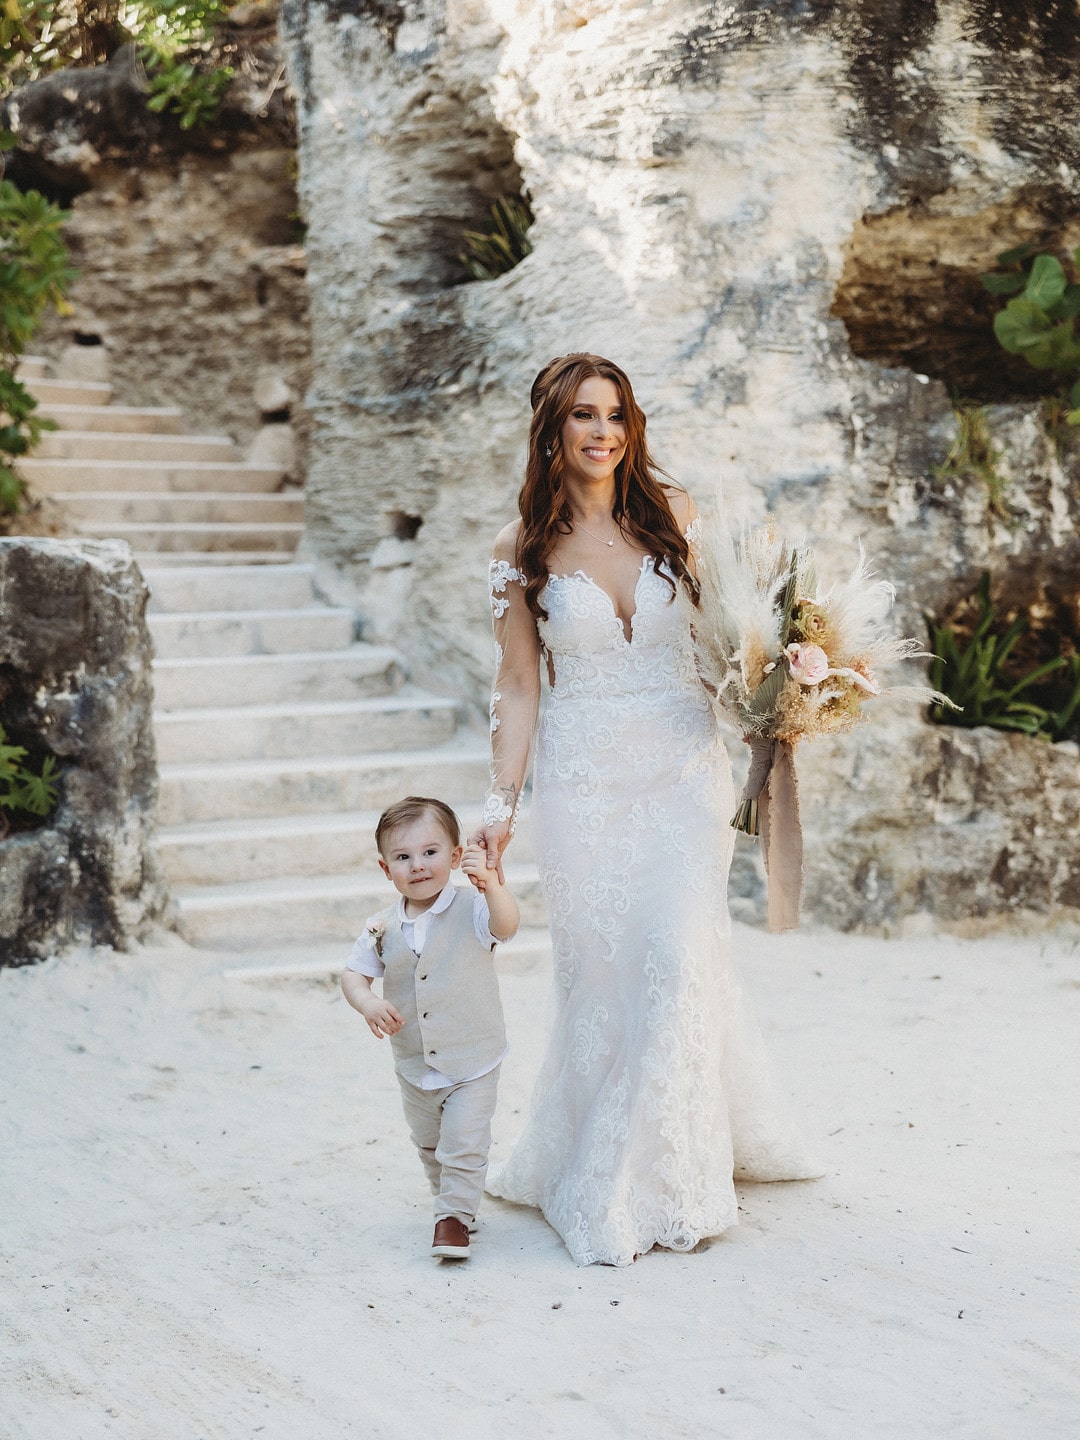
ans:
(75, 681)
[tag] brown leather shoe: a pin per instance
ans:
(451, 1240)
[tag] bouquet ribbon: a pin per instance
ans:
(770, 806)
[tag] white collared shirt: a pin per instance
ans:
(363, 957)
(415, 932)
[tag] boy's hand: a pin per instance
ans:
(474, 865)
(381, 1017)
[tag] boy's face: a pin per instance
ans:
(418, 859)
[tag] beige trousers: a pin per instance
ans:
(451, 1128)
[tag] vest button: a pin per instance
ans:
(425, 1014)
(431, 1052)
(423, 977)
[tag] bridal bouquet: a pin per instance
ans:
(789, 659)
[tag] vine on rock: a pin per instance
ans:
(34, 273)
(974, 455)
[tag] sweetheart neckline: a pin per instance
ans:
(628, 639)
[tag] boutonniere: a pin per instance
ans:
(377, 929)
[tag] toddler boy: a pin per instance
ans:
(440, 1000)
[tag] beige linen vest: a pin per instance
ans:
(448, 999)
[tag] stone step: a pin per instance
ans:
(251, 632)
(247, 788)
(147, 476)
(299, 908)
(96, 445)
(338, 842)
(115, 419)
(168, 508)
(529, 950)
(31, 367)
(219, 559)
(196, 538)
(353, 674)
(234, 587)
(271, 732)
(69, 392)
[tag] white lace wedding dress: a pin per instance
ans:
(655, 1090)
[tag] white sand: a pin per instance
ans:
(213, 1224)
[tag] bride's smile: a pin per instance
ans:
(593, 436)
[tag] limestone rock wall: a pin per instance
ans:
(773, 216)
(189, 276)
(188, 244)
(75, 678)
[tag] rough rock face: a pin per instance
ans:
(774, 216)
(75, 678)
(982, 828)
(188, 243)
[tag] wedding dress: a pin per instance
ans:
(655, 1090)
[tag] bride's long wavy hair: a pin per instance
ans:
(641, 508)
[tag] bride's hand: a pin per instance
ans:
(494, 840)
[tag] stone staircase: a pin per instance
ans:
(280, 736)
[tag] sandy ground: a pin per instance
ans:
(213, 1224)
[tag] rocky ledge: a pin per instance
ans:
(75, 680)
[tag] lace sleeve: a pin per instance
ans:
(515, 696)
(693, 539)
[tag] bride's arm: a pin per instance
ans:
(515, 697)
(687, 518)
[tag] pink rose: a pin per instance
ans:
(808, 663)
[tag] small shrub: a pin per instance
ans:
(24, 791)
(34, 273)
(1039, 321)
(182, 87)
(490, 254)
(973, 672)
(39, 36)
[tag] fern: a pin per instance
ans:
(22, 789)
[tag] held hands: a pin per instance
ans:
(491, 840)
(475, 864)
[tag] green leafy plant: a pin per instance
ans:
(32, 792)
(973, 673)
(173, 36)
(180, 86)
(34, 273)
(973, 454)
(1039, 321)
(488, 254)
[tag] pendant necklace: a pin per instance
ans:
(597, 537)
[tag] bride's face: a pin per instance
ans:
(594, 433)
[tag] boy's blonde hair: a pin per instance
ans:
(415, 807)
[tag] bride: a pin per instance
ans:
(655, 1091)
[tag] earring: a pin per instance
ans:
(547, 451)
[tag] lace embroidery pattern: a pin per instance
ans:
(500, 572)
(656, 1087)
